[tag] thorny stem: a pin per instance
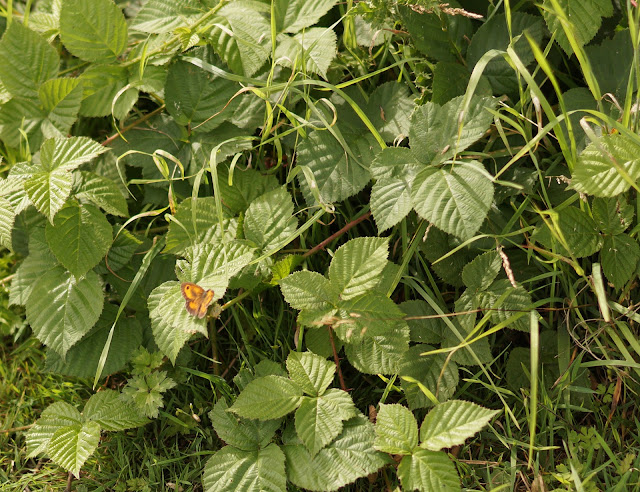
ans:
(336, 359)
(324, 243)
(133, 125)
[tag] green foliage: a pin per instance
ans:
(244, 146)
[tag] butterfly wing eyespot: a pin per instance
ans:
(197, 299)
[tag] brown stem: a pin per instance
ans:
(133, 125)
(324, 243)
(69, 482)
(336, 359)
(16, 429)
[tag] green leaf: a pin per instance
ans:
(68, 153)
(242, 36)
(518, 301)
(308, 290)
(436, 38)
(100, 85)
(495, 34)
(389, 109)
(596, 172)
(79, 237)
(160, 16)
(56, 416)
(479, 274)
(396, 430)
(27, 60)
(352, 451)
(34, 266)
(318, 420)
(435, 133)
(182, 232)
(269, 219)
(145, 392)
(455, 199)
(30, 121)
(122, 250)
(427, 327)
(232, 469)
(195, 97)
(450, 423)
(62, 309)
(337, 175)
(610, 62)
(81, 360)
(248, 435)
(585, 17)
(267, 398)
(311, 372)
(94, 31)
(432, 372)
(100, 191)
(71, 446)
(294, 15)
(370, 314)
(107, 409)
(428, 470)
(7, 218)
(311, 51)
(61, 99)
(612, 215)
(578, 230)
(245, 187)
(357, 265)
(379, 354)
(619, 257)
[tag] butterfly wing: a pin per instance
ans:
(204, 305)
(197, 299)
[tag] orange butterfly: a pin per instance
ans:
(198, 299)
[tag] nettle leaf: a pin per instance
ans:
(451, 423)
(195, 97)
(101, 191)
(337, 174)
(72, 445)
(352, 450)
(456, 199)
(427, 470)
(419, 371)
(79, 237)
(357, 265)
(579, 231)
(232, 469)
(242, 36)
(160, 16)
(244, 188)
(597, 171)
(56, 416)
(612, 215)
(427, 327)
(269, 219)
(318, 420)
(389, 109)
(313, 50)
(7, 218)
(107, 409)
(311, 372)
(61, 99)
(585, 17)
(248, 435)
(479, 274)
(496, 35)
(183, 233)
(39, 261)
(267, 398)
(81, 360)
(434, 37)
(308, 291)
(94, 31)
(396, 430)
(100, 86)
(435, 135)
(27, 61)
(294, 15)
(619, 257)
(62, 309)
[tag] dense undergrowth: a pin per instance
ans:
(319, 245)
